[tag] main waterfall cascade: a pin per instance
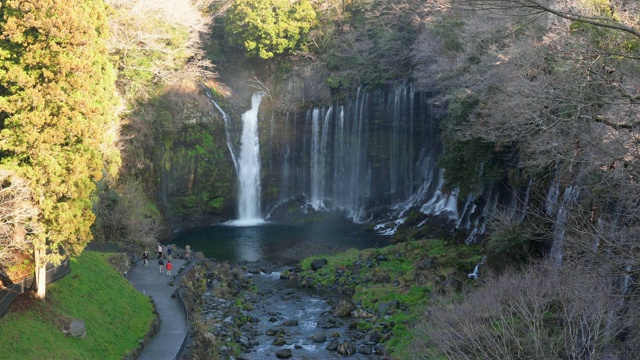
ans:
(249, 186)
(247, 164)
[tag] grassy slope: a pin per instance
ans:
(116, 316)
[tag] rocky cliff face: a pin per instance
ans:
(196, 180)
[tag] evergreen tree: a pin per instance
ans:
(57, 115)
(269, 27)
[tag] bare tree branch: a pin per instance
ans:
(17, 218)
(538, 7)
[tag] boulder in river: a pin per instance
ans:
(373, 336)
(290, 322)
(319, 263)
(344, 308)
(275, 332)
(284, 353)
(319, 337)
(364, 349)
(333, 345)
(346, 349)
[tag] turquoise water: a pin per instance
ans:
(274, 242)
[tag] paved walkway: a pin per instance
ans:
(173, 323)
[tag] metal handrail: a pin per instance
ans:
(184, 341)
(186, 312)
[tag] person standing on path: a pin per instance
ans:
(161, 265)
(187, 250)
(169, 267)
(145, 258)
(159, 251)
(169, 252)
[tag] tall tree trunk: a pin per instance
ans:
(41, 274)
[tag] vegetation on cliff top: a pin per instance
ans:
(265, 28)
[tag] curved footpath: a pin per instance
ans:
(173, 323)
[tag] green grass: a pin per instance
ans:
(116, 316)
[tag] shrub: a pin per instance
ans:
(265, 28)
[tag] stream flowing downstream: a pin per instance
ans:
(282, 302)
(304, 320)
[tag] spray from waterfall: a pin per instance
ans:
(249, 167)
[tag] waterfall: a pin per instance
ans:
(354, 159)
(319, 161)
(249, 167)
(338, 151)
(316, 167)
(374, 156)
(369, 147)
(227, 127)
(569, 198)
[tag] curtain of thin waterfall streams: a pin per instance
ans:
(366, 159)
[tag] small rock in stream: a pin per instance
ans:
(275, 332)
(364, 349)
(319, 337)
(373, 336)
(346, 348)
(284, 353)
(333, 345)
(290, 322)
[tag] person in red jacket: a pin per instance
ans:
(169, 267)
